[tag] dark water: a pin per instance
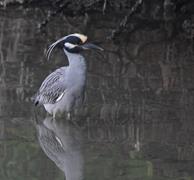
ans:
(136, 123)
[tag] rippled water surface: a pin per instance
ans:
(137, 119)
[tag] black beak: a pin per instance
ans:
(60, 42)
(91, 46)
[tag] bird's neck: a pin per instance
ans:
(75, 60)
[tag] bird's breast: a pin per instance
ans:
(75, 76)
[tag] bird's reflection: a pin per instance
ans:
(61, 142)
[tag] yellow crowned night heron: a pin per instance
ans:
(62, 142)
(63, 89)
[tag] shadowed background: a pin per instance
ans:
(137, 119)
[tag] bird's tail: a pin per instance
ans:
(34, 99)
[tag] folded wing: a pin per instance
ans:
(52, 88)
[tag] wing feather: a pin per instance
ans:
(52, 88)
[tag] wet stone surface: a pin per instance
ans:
(137, 119)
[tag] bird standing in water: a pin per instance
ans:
(63, 89)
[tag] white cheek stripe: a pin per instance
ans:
(69, 45)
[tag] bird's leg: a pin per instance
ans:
(70, 119)
(68, 116)
(54, 116)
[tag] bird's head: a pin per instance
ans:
(73, 43)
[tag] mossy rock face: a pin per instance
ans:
(175, 16)
(154, 9)
(145, 80)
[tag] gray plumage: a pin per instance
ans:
(63, 90)
(51, 87)
(62, 143)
